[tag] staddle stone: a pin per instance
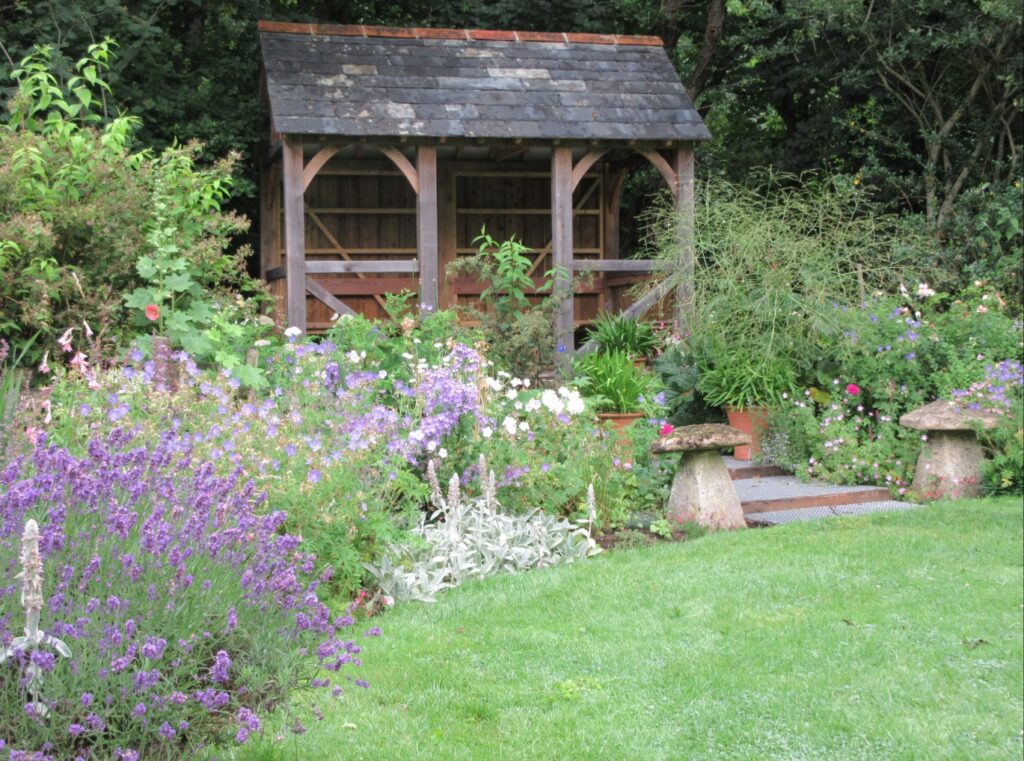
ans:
(951, 460)
(702, 489)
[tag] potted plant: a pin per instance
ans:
(745, 386)
(619, 392)
(616, 332)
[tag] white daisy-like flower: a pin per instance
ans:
(293, 332)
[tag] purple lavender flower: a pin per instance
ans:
(220, 668)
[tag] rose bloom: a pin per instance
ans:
(667, 429)
(152, 313)
(852, 389)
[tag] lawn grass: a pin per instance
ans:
(889, 636)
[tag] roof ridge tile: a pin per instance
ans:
(501, 35)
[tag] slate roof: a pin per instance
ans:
(383, 82)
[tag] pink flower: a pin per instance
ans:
(666, 429)
(44, 367)
(65, 340)
(852, 389)
(152, 313)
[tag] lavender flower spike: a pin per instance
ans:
(32, 601)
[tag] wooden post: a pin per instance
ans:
(446, 233)
(426, 225)
(294, 234)
(687, 254)
(612, 181)
(562, 255)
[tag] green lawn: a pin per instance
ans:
(893, 636)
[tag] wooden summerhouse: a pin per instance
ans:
(391, 148)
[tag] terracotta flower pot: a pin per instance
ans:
(619, 422)
(752, 420)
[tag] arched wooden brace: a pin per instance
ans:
(404, 165)
(584, 164)
(315, 164)
(663, 167)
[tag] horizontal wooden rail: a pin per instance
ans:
(313, 267)
(470, 286)
(619, 265)
(371, 286)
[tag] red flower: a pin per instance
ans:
(852, 389)
(667, 429)
(152, 313)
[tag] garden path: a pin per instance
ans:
(771, 496)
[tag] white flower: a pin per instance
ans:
(261, 342)
(981, 309)
(516, 382)
(575, 404)
(533, 405)
(431, 446)
(293, 331)
(352, 356)
(526, 382)
(550, 400)
(382, 374)
(416, 435)
(511, 394)
(524, 426)
(442, 453)
(487, 432)
(518, 405)
(923, 291)
(509, 424)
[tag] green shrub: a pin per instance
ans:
(616, 332)
(614, 383)
(85, 221)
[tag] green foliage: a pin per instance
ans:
(616, 332)
(515, 313)
(614, 383)
(680, 371)
(741, 383)
(772, 266)
(84, 220)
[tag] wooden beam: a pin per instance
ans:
(317, 290)
(687, 253)
(470, 286)
(561, 254)
(620, 265)
(662, 166)
(584, 164)
(504, 154)
(374, 286)
(447, 243)
(316, 164)
(426, 225)
(294, 234)
(378, 267)
(404, 166)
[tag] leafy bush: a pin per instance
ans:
(516, 311)
(896, 354)
(473, 540)
(617, 332)
(183, 612)
(615, 384)
(84, 221)
(773, 259)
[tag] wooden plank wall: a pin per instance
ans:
(371, 215)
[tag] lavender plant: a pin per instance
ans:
(185, 609)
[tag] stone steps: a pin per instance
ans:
(769, 495)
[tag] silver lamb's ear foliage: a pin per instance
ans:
(435, 485)
(31, 576)
(454, 496)
(591, 508)
(476, 540)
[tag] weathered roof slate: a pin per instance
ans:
(381, 82)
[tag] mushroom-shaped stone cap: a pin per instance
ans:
(948, 416)
(695, 438)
